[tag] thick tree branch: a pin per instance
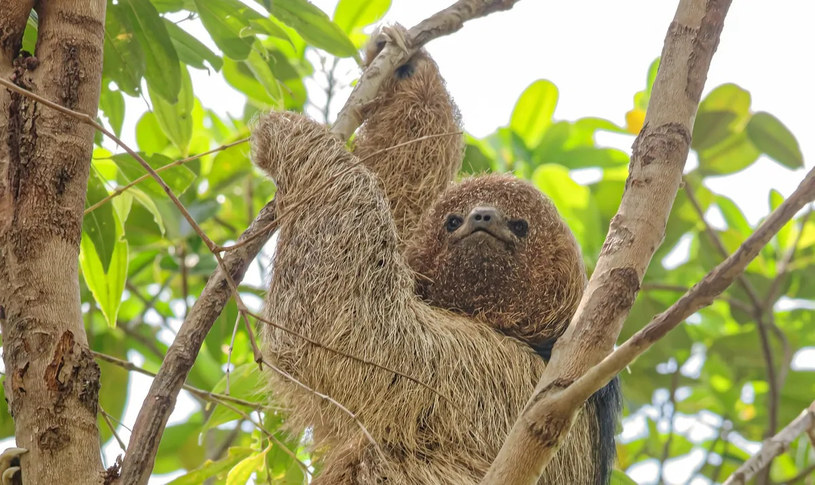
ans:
(52, 380)
(805, 423)
(636, 231)
(701, 295)
(393, 55)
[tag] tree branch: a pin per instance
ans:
(445, 22)
(805, 423)
(635, 232)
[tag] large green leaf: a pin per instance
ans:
(722, 114)
(190, 50)
(112, 104)
(352, 15)
(774, 139)
(213, 468)
(226, 23)
(734, 154)
(106, 286)
(533, 111)
(314, 25)
(100, 224)
(123, 56)
(239, 475)
(175, 119)
(162, 69)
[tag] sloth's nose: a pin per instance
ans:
(484, 217)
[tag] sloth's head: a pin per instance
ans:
(494, 247)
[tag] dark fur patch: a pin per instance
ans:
(404, 71)
(608, 404)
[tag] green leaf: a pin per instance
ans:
(178, 178)
(244, 383)
(162, 69)
(112, 104)
(123, 56)
(225, 21)
(212, 468)
(734, 154)
(350, 15)
(106, 286)
(241, 77)
(149, 135)
(190, 50)
(314, 25)
(100, 224)
(239, 475)
(175, 119)
(263, 73)
(533, 111)
(722, 114)
(774, 139)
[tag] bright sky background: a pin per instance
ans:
(597, 52)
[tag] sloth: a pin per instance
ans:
(463, 287)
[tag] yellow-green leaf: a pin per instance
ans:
(533, 111)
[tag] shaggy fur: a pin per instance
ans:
(340, 278)
(411, 105)
(527, 287)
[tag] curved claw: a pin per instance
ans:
(396, 34)
(8, 475)
(9, 461)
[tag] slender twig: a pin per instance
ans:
(228, 371)
(120, 190)
(682, 289)
(329, 399)
(200, 393)
(112, 427)
(773, 447)
(269, 435)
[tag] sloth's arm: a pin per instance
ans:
(413, 104)
(339, 278)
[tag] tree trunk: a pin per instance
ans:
(52, 381)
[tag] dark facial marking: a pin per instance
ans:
(453, 222)
(519, 227)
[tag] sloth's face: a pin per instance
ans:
(494, 247)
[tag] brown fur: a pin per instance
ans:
(409, 107)
(339, 277)
(527, 288)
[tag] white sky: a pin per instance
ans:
(597, 53)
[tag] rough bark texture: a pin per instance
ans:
(634, 234)
(52, 381)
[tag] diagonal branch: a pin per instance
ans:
(805, 423)
(635, 232)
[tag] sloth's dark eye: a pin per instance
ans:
(519, 227)
(453, 222)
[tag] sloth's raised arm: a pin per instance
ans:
(414, 103)
(339, 278)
